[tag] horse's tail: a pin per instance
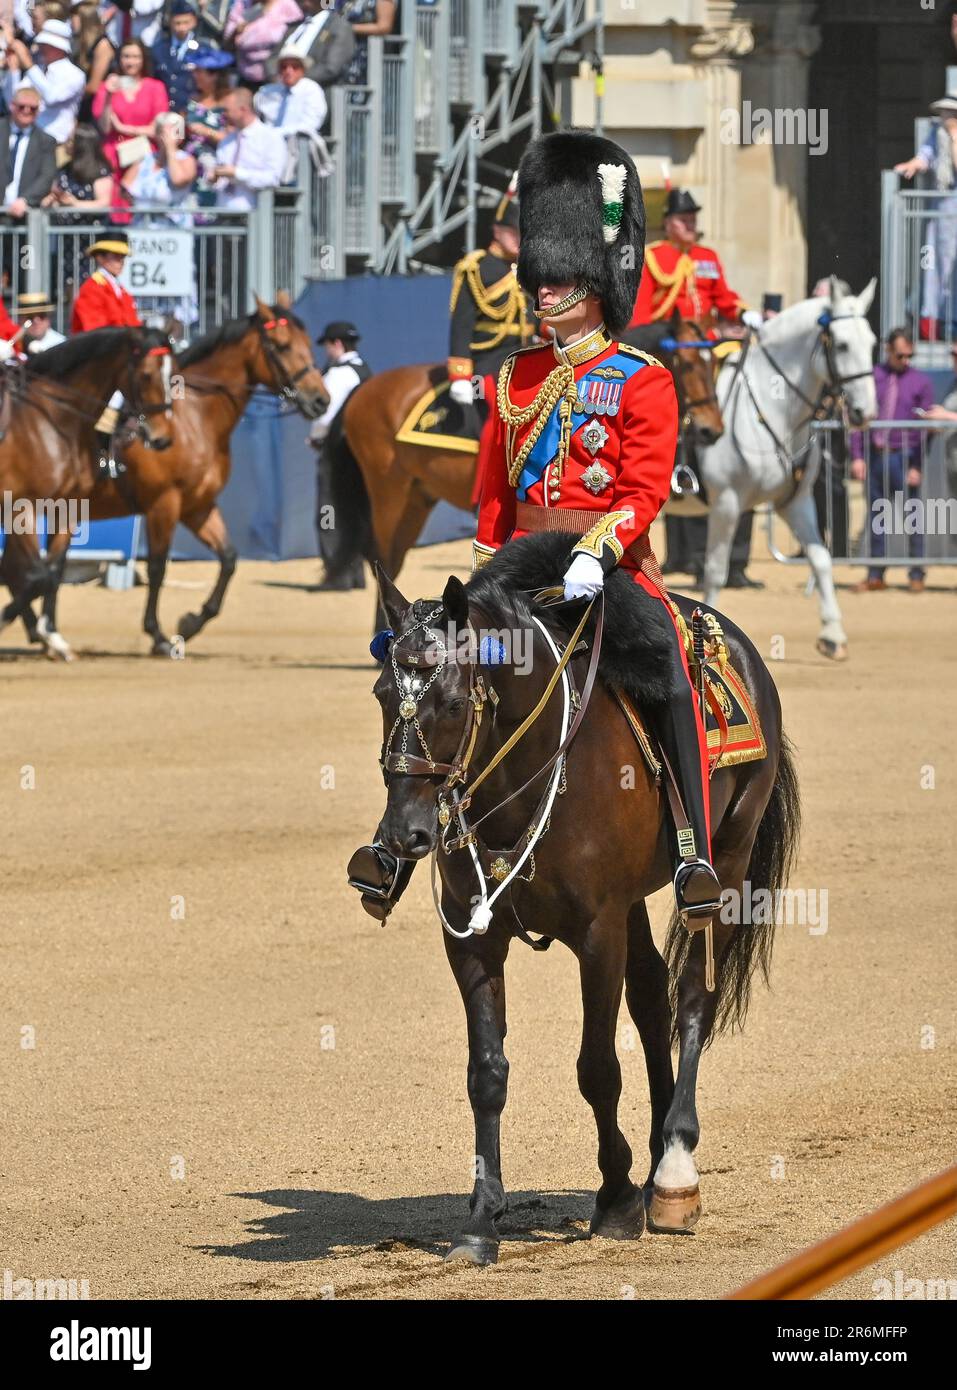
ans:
(351, 533)
(772, 856)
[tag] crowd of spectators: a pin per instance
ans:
(117, 104)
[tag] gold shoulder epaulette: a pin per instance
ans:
(637, 352)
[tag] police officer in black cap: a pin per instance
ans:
(344, 371)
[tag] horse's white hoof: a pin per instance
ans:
(836, 651)
(55, 646)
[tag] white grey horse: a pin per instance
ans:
(768, 397)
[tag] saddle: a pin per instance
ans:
(637, 662)
(436, 421)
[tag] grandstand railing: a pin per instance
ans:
(919, 267)
(234, 255)
(858, 520)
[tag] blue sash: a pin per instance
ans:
(599, 392)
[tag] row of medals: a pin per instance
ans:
(594, 437)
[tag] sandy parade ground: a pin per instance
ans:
(220, 1079)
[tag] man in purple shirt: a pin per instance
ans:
(895, 463)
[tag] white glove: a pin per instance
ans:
(584, 577)
(751, 318)
(461, 391)
(7, 350)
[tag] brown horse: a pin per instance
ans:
(48, 452)
(383, 490)
(600, 850)
(269, 348)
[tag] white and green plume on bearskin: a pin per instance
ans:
(582, 220)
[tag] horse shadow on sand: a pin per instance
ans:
(313, 1225)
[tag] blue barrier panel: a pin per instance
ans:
(115, 539)
(269, 502)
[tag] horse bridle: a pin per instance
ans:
(138, 409)
(830, 394)
(833, 387)
(673, 346)
(412, 687)
(287, 381)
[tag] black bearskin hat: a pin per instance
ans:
(582, 220)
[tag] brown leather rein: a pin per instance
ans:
(457, 771)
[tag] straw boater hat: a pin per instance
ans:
(110, 241)
(582, 220)
(31, 304)
(945, 106)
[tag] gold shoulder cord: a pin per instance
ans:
(559, 383)
(672, 283)
(505, 313)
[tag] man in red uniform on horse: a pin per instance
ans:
(681, 274)
(582, 439)
(102, 302)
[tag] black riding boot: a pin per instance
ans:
(380, 878)
(697, 890)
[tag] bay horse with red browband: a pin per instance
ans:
(49, 447)
(270, 348)
(578, 849)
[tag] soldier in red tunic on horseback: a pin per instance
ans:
(582, 439)
(102, 302)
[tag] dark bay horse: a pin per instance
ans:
(602, 852)
(270, 348)
(49, 450)
(384, 490)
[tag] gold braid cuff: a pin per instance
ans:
(481, 554)
(603, 534)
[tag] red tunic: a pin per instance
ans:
(99, 306)
(618, 466)
(690, 281)
(7, 325)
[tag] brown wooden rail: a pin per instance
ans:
(859, 1244)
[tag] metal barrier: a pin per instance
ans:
(883, 519)
(918, 262)
(217, 259)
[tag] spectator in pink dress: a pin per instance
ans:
(127, 104)
(255, 41)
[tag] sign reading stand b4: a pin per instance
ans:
(160, 263)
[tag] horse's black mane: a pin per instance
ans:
(230, 332)
(86, 347)
(638, 645)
